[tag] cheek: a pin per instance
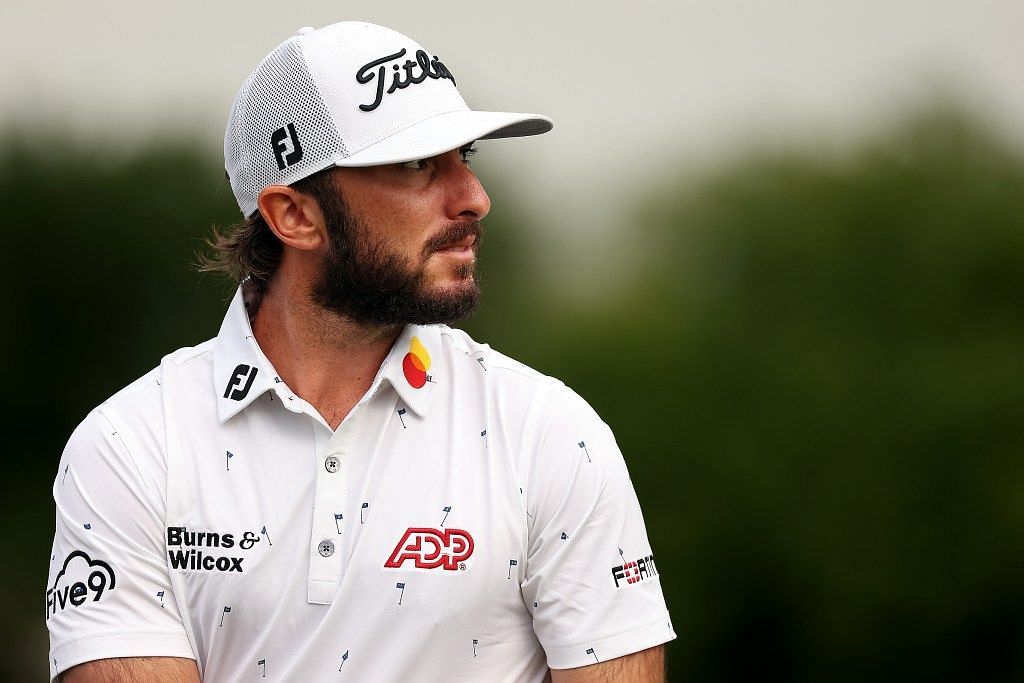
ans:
(400, 221)
(396, 235)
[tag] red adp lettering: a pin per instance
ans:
(432, 548)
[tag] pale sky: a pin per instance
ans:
(631, 86)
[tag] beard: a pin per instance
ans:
(372, 285)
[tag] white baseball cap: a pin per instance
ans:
(349, 94)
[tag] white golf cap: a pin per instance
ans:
(349, 94)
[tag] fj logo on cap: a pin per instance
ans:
(403, 75)
(285, 156)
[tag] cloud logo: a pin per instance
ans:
(416, 363)
(79, 579)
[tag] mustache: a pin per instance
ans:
(453, 233)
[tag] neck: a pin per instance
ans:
(327, 359)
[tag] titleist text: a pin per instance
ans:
(403, 75)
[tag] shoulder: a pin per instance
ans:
(188, 360)
(143, 396)
(543, 408)
(131, 422)
(510, 379)
(507, 370)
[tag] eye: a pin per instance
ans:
(467, 152)
(416, 165)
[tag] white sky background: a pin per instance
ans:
(633, 87)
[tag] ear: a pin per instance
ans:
(294, 217)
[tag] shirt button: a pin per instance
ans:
(326, 548)
(332, 464)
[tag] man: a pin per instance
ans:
(339, 486)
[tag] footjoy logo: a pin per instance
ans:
(190, 549)
(634, 572)
(432, 548)
(81, 579)
(242, 372)
(285, 156)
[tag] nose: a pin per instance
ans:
(465, 196)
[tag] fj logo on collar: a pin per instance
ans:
(416, 363)
(241, 372)
(277, 140)
(428, 68)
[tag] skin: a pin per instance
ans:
(125, 669)
(330, 361)
(646, 666)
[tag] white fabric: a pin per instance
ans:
(486, 448)
(441, 133)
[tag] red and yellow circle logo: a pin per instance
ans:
(416, 363)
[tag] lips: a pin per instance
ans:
(459, 245)
(455, 237)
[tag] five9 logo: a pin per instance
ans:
(79, 582)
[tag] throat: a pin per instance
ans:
(329, 362)
(334, 413)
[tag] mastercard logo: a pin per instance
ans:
(416, 363)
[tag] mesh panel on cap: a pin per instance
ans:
(279, 92)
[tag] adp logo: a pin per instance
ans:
(285, 156)
(79, 580)
(432, 548)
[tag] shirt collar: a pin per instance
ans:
(413, 367)
(241, 371)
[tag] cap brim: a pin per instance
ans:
(444, 132)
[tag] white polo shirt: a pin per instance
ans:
(470, 519)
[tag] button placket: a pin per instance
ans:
(330, 500)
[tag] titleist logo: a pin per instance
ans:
(404, 75)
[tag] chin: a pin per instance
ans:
(452, 276)
(453, 288)
(451, 285)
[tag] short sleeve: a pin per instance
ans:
(592, 581)
(108, 593)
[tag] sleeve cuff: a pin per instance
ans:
(572, 655)
(115, 644)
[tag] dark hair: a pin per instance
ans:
(250, 248)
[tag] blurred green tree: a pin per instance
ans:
(99, 289)
(818, 376)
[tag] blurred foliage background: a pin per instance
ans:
(814, 371)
